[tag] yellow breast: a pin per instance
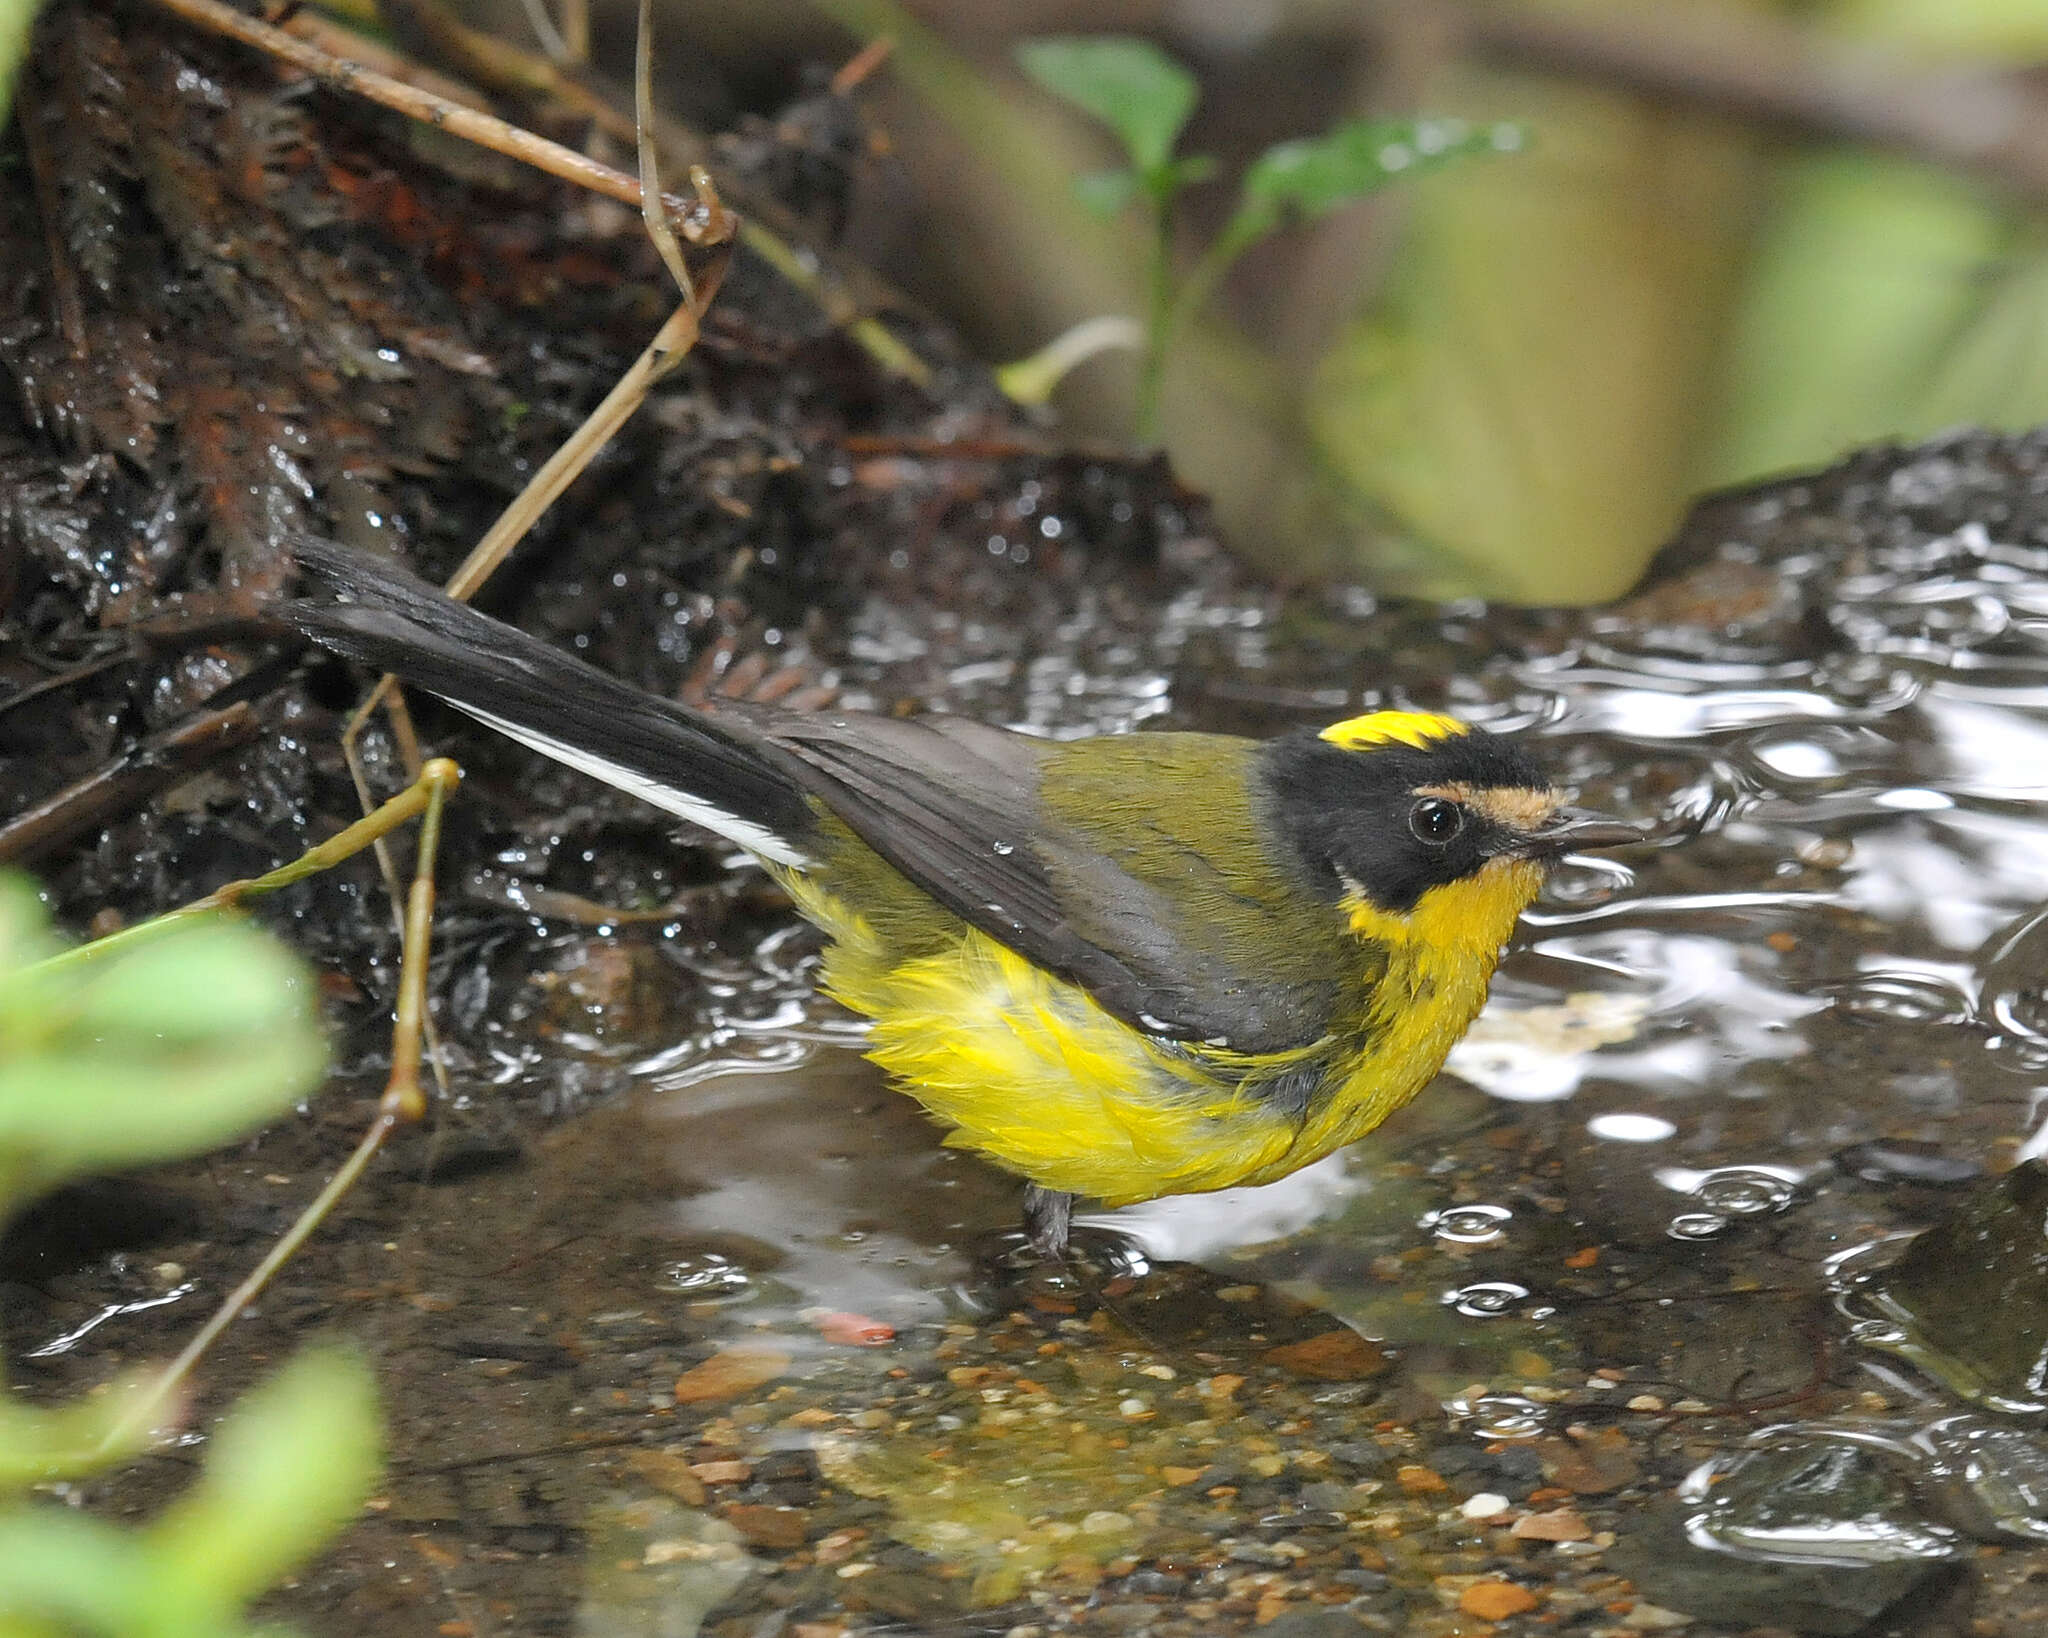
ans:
(1028, 1070)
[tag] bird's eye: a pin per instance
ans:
(1435, 821)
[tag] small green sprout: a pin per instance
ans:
(1146, 99)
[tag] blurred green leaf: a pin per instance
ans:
(66, 1572)
(16, 17)
(209, 980)
(25, 935)
(147, 1053)
(1517, 412)
(67, 1441)
(1885, 300)
(1133, 87)
(288, 1468)
(1316, 175)
(1106, 192)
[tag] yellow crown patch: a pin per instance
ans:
(1416, 728)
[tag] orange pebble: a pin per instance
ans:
(856, 1330)
(1496, 1600)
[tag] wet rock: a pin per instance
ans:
(1923, 1165)
(1335, 1356)
(657, 1568)
(1560, 1524)
(907, 1595)
(1813, 1535)
(1314, 1624)
(1813, 1499)
(777, 1528)
(1970, 1295)
(730, 1373)
(1497, 1600)
(669, 1472)
(1990, 1478)
(1591, 1465)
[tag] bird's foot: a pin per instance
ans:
(1048, 1220)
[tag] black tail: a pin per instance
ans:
(678, 759)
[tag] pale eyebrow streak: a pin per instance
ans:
(1516, 809)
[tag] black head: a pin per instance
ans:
(1384, 808)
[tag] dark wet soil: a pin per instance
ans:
(686, 1322)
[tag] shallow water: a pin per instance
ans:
(745, 1345)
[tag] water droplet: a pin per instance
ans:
(1486, 1299)
(1697, 1225)
(1004, 849)
(1468, 1225)
(706, 1277)
(1499, 1415)
(1743, 1191)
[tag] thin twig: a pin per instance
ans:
(485, 130)
(160, 760)
(64, 291)
(674, 339)
(650, 164)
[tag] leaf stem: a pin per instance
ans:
(1160, 308)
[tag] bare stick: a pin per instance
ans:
(650, 165)
(486, 130)
(119, 785)
(402, 1102)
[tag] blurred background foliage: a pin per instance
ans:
(1745, 237)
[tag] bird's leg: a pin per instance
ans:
(1048, 1216)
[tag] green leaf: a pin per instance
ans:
(208, 980)
(162, 1049)
(289, 1467)
(67, 1572)
(1315, 175)
(1106, 192)
(1133, 87)
(38, 1445)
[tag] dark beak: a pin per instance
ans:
(1570, 831)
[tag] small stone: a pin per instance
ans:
(1496, 1600)
(1485, 1505)
(1589, 1466)
(1563, 1524)
(1655, 1618)
(728, 1472)
(1419, 1481)
(669, 1473)
(729, 1373)
(1181, 1475)
(1341, 1355)
(778, 1528)
(1646, 1402)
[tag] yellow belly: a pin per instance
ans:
(1029, 1071)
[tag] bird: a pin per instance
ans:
(1121, 967)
